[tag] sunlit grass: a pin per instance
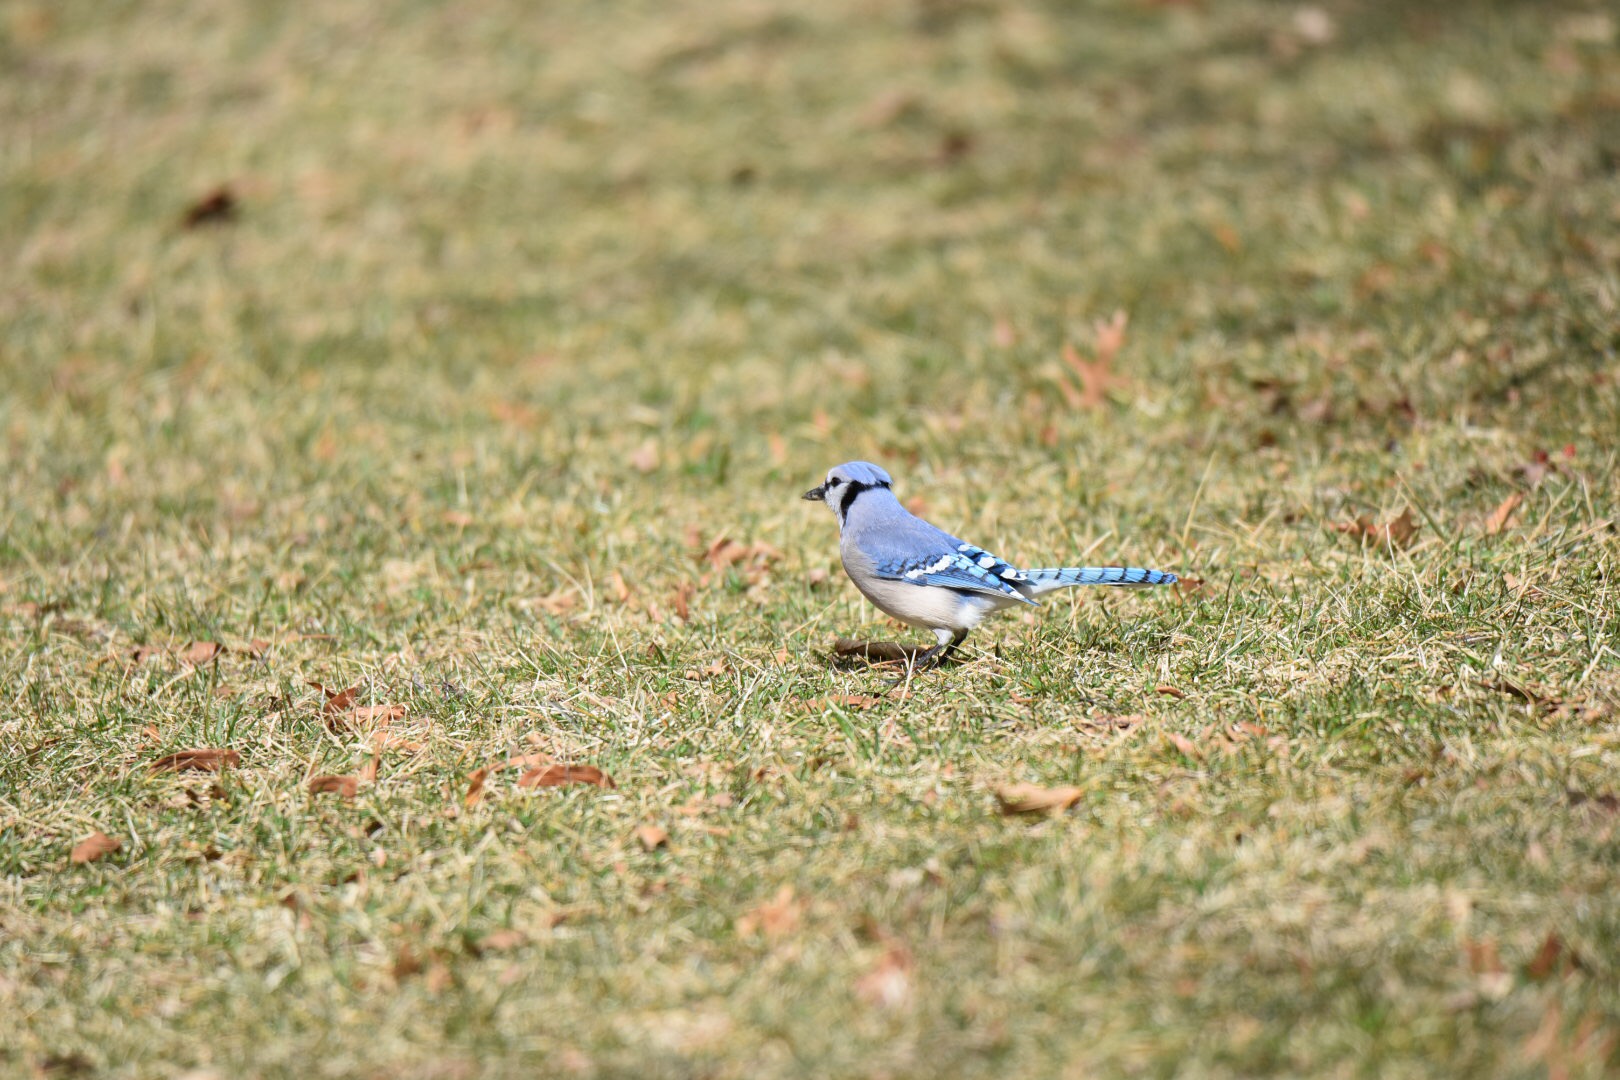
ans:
(520, 312)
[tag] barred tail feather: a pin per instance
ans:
(1062, 577)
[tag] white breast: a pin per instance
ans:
(924, 606)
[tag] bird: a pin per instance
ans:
(929, 579)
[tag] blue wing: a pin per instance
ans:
(969, 568)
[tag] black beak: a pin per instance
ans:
(816, 494)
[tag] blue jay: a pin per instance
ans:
(929, 579)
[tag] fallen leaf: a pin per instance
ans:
(438, 978)
(1092, 379)
(375, 714)
(526, 762)
(1483, 958)
(1170, 691)
(652, 837)
(777, 916)
(200, 652)
(1607, 802)
(621, 589)
(337, 701)
(94, 847)
(1546, 959)
(1033, 799)
(888, 984)
(1187, 588)
(200, 760)
(217, 207)
(475, 786)
(1397, 532)
(503, 940)
(644, 459)
(558, 775)
(1524, 694)
(340, 710)
(683, 594)
(1503, 514)
(406, 963)
(1183, 744)
(558, 603)
(878, 652)
(852, 701)
(346, 786)
(716, 668)
(368, 771)
(724, 551)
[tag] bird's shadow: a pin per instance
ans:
(851, 655)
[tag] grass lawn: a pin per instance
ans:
(472, 357)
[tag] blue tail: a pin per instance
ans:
(1128, 576)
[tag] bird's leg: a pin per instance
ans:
(933, 657)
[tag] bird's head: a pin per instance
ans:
(845, 483)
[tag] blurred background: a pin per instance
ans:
(276, 268)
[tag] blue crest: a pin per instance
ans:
(862, 472)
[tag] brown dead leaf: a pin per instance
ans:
(94, 847)
(776, 917)
(438, 978)
(1483, 958)
(644, 459)
(341, 712)
(1188, 588)
(382, 740)
(217, 207)
(652, 837)
(337, 701)
(621, 589)
(888, 984)
(558, 603)
(1545, 962)
(1092, 379)
(558, 775)
(1397, 532)
(878, 652)
(715, 669)
(346, 786)
(1184, 745)
(525, 762)
(1034, 799)
(1525, 694)
(1503, 514)
(375, 714)
(406, 963)
(201, 652)
(199, 760)
(503, 940)
(724, 551)
(680, 600)
(1170, 691)
(475, 786)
